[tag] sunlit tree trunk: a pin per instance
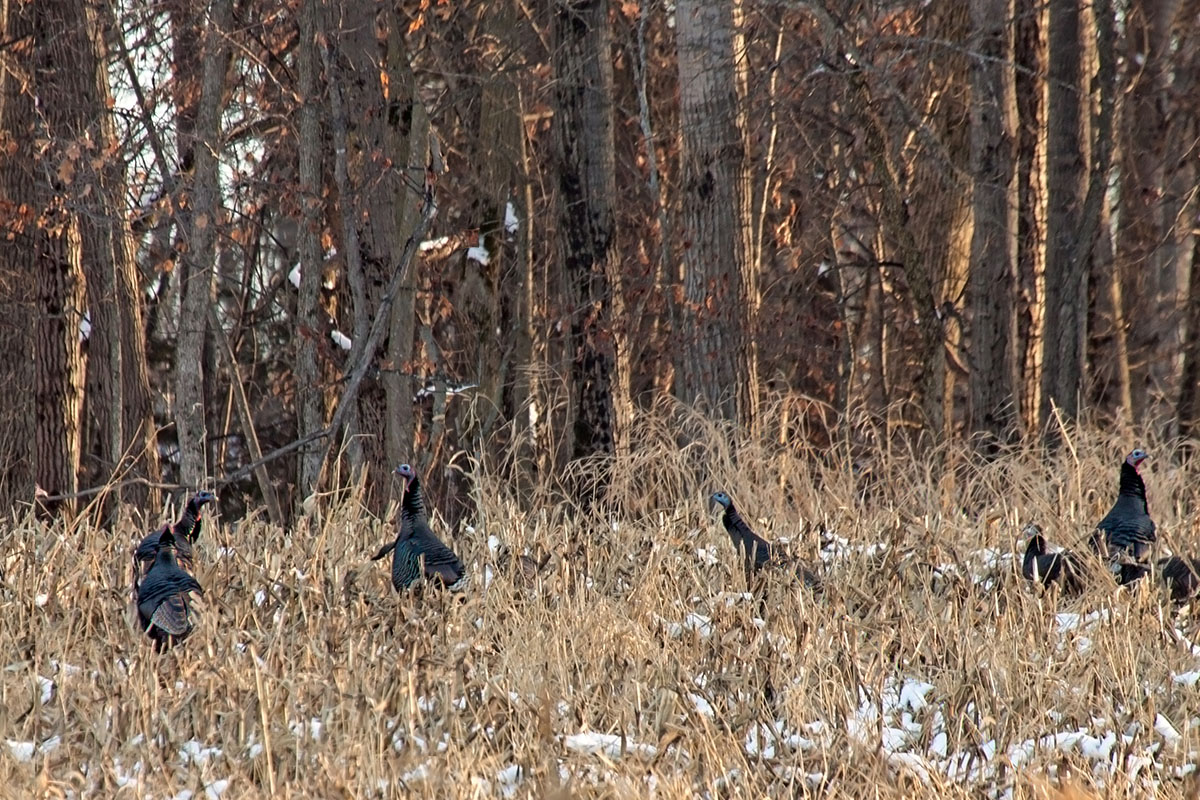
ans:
(717, 369)
(197, 269)
(1030, 58)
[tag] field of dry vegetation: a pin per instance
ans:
(634, 664)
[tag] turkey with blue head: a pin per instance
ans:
(186, 531)
(162, 596)
(755, 551)
(417, 552)
(1063, 569)
(1127, 531)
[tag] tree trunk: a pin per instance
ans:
(1066, 165)
(197, 270)
(583, 124)
(715, 325)
(310, 406)
(118, 376)
(1030, 48)
(992, 279)
(1147, 274)
(386, 132)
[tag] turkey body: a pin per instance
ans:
(755, 551)
(186, 531)
(162, 596)
(1064, 569)
(417, 552)
(1127, 530)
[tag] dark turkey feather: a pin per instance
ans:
(186, 530)
(1064, 569)
(755, 551)
(1127, 529)
(147, 549)
(162, 596)
(417, 552)
(1181, 575)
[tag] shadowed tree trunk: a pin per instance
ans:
(310, 404)
(1146, 271)
(1066, 165)
(386, 132)
(992, 279)
(717, 369)
(587, 180)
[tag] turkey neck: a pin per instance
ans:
(188, 526)
(1036, 547)
(1132, 485)
(738, 528)
(414, 502)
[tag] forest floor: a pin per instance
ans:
(636, 663)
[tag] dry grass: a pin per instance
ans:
(310, 678)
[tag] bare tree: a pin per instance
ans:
(1066, 164)
(714, 322)
(587, 181)
(310, 405)
(992, 279)
(196, 279)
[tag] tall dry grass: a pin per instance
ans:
(310, 678)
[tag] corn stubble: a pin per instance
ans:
(309, 677)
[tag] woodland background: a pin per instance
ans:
(280, 246)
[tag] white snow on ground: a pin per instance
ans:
(511, 222)
(609, 744)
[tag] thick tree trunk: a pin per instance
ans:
(715, 325)
(199, 262)
(583, 125)
(386, 132)
(1066, 163)
(992, 280)
(1147, 272)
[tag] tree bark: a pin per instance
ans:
(197, 270)
(1147, 273)
(1066, 165)
(118, 375)
(310, 406)
(717, 369)
(992, 278)
(1030, 57)
(583, 127)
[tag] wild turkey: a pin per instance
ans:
(1064, 568)
(186, 531)
(1181, 576)
(417, 552)
(162, 596)
(756, 552)
(1127, 530)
